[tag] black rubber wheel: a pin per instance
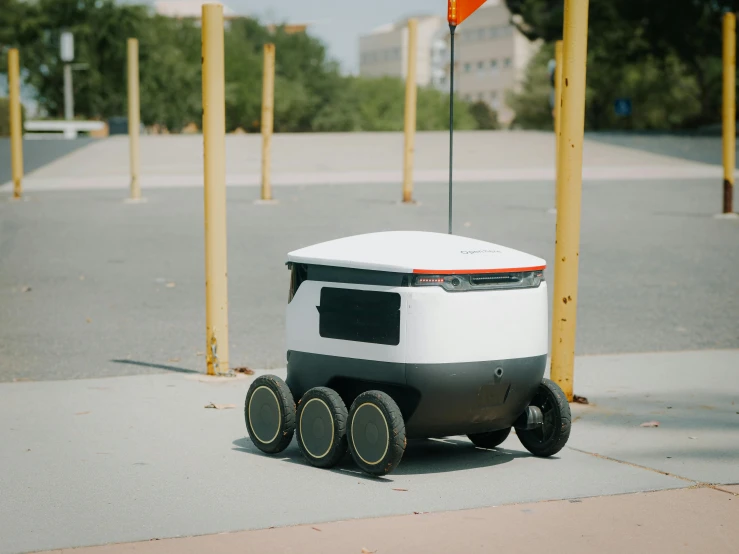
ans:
(376, 433)
(490, 439)
(269, 412)
(321, 427)
(549, 438)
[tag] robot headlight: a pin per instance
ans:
(481, 281)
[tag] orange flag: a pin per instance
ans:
(459, 10)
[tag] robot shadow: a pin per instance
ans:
(422, 456)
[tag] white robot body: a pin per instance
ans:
(454, 328)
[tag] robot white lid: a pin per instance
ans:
(417, 252)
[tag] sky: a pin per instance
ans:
(338, 23)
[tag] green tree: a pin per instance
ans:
(531, 103)
(485, 117)
(5, 116)
(677, 47)
(378, 105)
(310, 92)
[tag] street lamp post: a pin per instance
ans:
(67, 56)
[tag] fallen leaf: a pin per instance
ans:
(580, 400)
(88, 320)
(401, 490)
(692, 438)
(82, 413)
(82, 277)
(173, 360)
(171, 285)
(650, 424)
(26, 289)
(200, 353)
(244, 370)
(365, 551)
(25, 379)
(220, 406)
(315, 529)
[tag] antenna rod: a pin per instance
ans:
(451, 121)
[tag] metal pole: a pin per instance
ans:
(452, 28)
(68, 93)
(569, 185)
(134, 115)
(557, 99)
(410, 111)
(214, 157)
(729, 110)
(268, 117)
(16, 130)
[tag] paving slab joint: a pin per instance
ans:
(696, 484)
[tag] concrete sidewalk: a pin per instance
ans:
(99, 461)
(169, 161)
(695, 520)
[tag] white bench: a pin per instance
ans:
(68, 128)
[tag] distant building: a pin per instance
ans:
(188, 9)
(384, 51)
(491, 57)
(193, 9)
(289, 28)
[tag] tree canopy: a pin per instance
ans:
(310, 92)
(664, 56)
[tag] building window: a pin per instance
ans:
(467, 67)
(494, 67)
(493, 32)
(507, 63)
(360, 315)
(480, 69)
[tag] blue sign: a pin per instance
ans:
(622, 107)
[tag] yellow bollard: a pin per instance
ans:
(16, 131)
(729, 110)
(268, 118)
(410, 111)
(134, 116)
(214, 157)
(557, 100)
(569, 194)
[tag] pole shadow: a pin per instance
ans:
(156, 366)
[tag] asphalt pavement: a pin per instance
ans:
(696, 148)
(37, 153)
(92, 286)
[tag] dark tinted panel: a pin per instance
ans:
(360, 315)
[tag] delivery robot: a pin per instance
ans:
(406, 335)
